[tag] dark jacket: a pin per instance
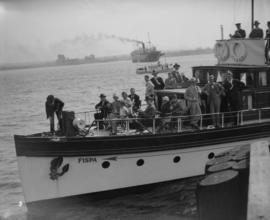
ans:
(267, 34)
(256, 33)
(56, 106)
(104, 107)
(233, 93)
(165, 109)
(239, 34)
(136, 100)
(179, 78)
(158, 83)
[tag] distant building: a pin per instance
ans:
(61, 59)
(90, 58)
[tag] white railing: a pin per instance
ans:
(181, 123)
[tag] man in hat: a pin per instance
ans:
(267, 47)
(104, 108)
(233, 89)
(157, 81)
(180, 77)
(193, 103)
(135, 100)
(149, 113)
(256, 31)
(214, 91)
(239, 33)
(54, 105)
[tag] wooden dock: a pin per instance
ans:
(259, 182)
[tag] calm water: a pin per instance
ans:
(22, 97)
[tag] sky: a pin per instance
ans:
(38, 30)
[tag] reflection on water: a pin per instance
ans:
(22, 97)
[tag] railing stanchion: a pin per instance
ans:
(154, 126)
(237, 122)
(98, 127)
(241, 118)
(260, 116)
(222, 120)
(178, 124)
(201, 122)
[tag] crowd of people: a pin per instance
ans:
(214, 97)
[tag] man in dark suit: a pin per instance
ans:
(233, 89)
(239, 33)
(54, 105)
(104, 107)
(157, 81)
(135, 99)
(256, 32)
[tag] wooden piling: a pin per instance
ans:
(259, 182)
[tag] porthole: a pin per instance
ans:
(106, 164)
(211, 155)
(140, 162)
(176, 159)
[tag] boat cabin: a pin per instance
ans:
(256, 78)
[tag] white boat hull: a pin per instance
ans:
(86, 174)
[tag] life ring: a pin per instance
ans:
(222, 51)
(238, 51)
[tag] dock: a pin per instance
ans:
(259, 182)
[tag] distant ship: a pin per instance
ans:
(144, 54)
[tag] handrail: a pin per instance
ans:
(179, 120)
(182, 116)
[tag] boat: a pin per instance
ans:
(53, 166)
(56, 166)
(145, 54)
(159, 68)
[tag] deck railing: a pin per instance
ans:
(177, 124)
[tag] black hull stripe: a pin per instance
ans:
(98, 146)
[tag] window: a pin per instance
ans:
(262, 79)
(248, 79)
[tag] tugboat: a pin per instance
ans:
(145, 54)
(56, 166)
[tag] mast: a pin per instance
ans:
(252, 14)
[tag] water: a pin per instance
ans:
(22, 96)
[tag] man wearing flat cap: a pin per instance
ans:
(239, 33)
(256, 32)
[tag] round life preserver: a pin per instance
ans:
(238, 51)
(79, 123)
(222, 51)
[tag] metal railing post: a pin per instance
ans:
(260, 116)
(154, 126)
(98, 127)
(127, 125)
(237, 122)
(222, 120)
(241, 118)
(201, 122)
